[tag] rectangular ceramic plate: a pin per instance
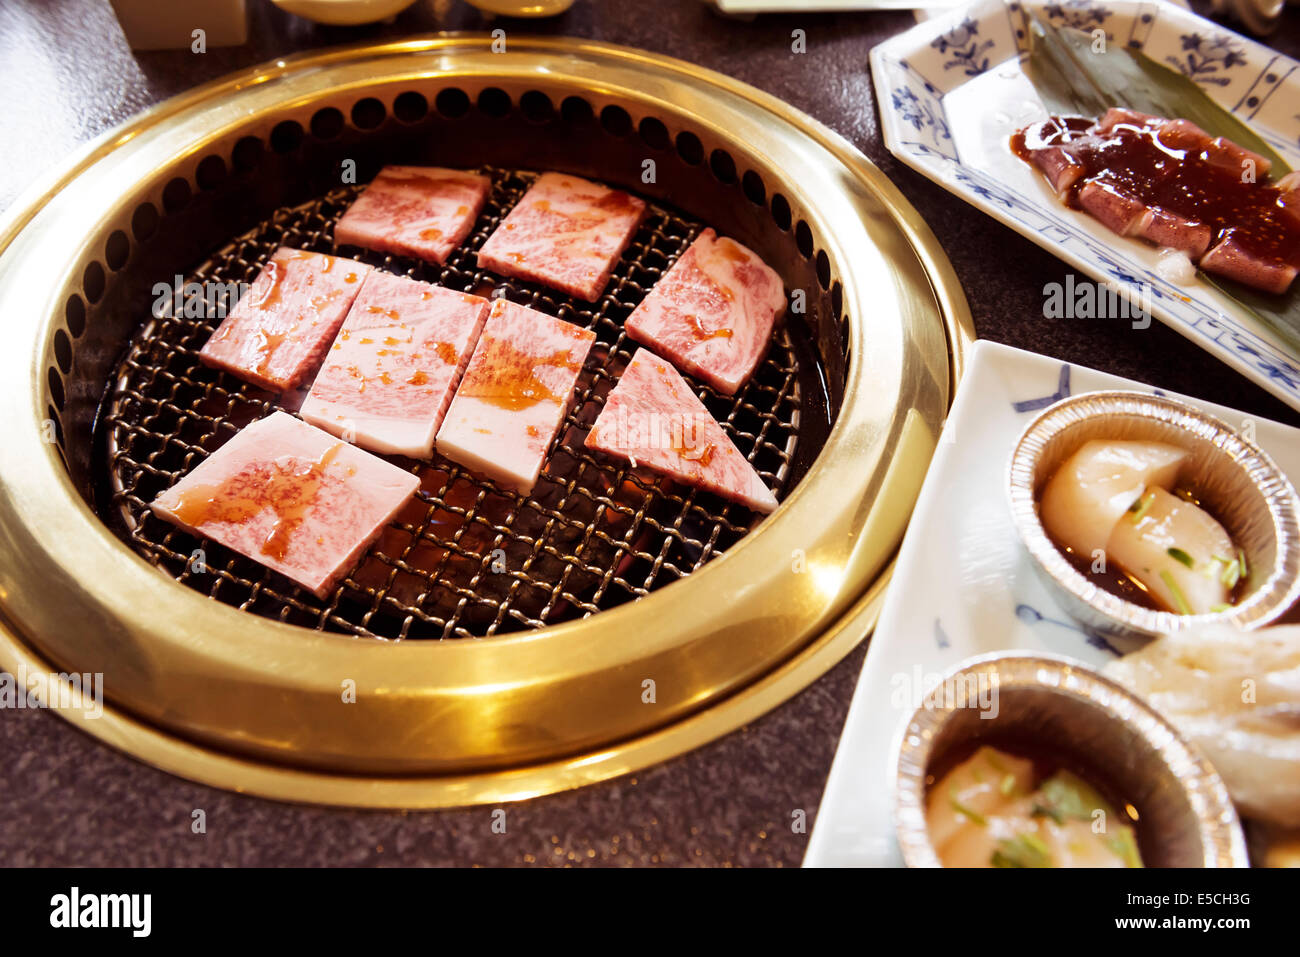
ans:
(952, 91)
(965, 586)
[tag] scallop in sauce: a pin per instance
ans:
(996, 810)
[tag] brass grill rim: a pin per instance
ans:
(231, 699)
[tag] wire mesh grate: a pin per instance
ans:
(465, 558)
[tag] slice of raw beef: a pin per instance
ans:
(712, 313)
(419, 211)
(514, 395)
(391, 372)
(652, 418)
(566, 233)
(278, 332)
(292, 497)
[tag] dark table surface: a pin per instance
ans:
(67, 74)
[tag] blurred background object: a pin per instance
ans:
(344, 13)
(1258, 16)
(522, 8)
(150, 25)
(751, 7)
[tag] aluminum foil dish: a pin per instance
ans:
(1235, 482)
(1051, 710)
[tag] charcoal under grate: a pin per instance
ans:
(465, 558)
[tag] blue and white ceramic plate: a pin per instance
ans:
(951, 92)
(964, 585)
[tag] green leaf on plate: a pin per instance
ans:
(1279, 313)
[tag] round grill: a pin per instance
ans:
(110, 406)
(467, 558)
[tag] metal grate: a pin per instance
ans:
(465, 558)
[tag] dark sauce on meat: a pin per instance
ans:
(1053, 131)
(1134, 158)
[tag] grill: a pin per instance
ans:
(469, 559)
(220, 670)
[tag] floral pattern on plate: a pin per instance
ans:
(964, 585)
(971, 56)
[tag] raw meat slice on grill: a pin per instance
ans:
(419, 211)
(296, 499)
(712, 313)
(279, 331)
(514, 395)
(390, 375)
(566, 233)
(653, 419)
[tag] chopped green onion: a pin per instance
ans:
(1231, 574)
(1140, 507)
(1124, 846)
(1222, 606)
(1065, 795)
(965, 811)
(1008, 785)
(1023, 850)
(1048, 810)
(1178, 555)
(1241, 560)
(1180, 602)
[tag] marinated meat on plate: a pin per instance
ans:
(712, 313)
(514, 395)
(654, 419)
(390, 374)
(1171, 183)
(296, 499)
(419, 211)
(280, 330)
(565, 233)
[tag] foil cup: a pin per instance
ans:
(1061, 711)
(1233, 477)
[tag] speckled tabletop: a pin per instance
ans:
(67, 74)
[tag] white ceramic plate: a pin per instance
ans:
(951, 92)
(965, 586)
